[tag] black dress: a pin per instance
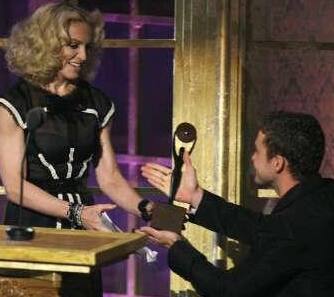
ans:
(59, 155)
(62, 147)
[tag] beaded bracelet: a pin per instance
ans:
(74, 214)
(80, 208)
(143, 210)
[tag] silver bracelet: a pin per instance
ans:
(74, 214)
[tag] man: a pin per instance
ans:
(292, 249)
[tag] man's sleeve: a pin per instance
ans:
(229, 219)
(272, 271)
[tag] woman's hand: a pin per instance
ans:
(158, 176)
(162, 237)
(91, 216)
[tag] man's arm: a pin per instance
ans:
(271, 272)
(226, 218)
(212, 212)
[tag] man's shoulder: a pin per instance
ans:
(317, 185)
(322, 195)
(327, 185)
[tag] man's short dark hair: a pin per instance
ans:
(296, 136)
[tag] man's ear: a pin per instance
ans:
(279, 163)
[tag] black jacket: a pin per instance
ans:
(292, 249)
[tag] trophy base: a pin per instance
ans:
(168, 217)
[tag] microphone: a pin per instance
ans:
(34, 119)
(184, 138)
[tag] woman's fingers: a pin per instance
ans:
(91, 216)
(104, 207)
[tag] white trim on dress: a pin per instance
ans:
(49, 166)
(84, 167)
(15, 113)
(78, 198)
(91, 111)
(59, 225)
(69, 163)
(108, 116)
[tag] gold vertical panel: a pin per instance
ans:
(235, 74)
(207, 93)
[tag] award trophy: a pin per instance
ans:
(167, 216)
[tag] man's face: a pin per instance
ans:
(263, 166)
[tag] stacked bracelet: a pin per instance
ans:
(146, 216)
(74, 214)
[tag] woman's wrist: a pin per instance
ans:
(145, 208)
(74, 213)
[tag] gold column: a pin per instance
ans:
(235, 73)
(207, 93)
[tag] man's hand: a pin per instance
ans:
(160, 177)
(165, 238)
(189, 191)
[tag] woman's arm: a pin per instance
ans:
(110, 179)
(11, 154)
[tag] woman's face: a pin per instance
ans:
(75, 53)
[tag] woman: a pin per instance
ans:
(55, 52)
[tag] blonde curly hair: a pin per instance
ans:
(33, 50)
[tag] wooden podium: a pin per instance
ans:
(35, 268)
